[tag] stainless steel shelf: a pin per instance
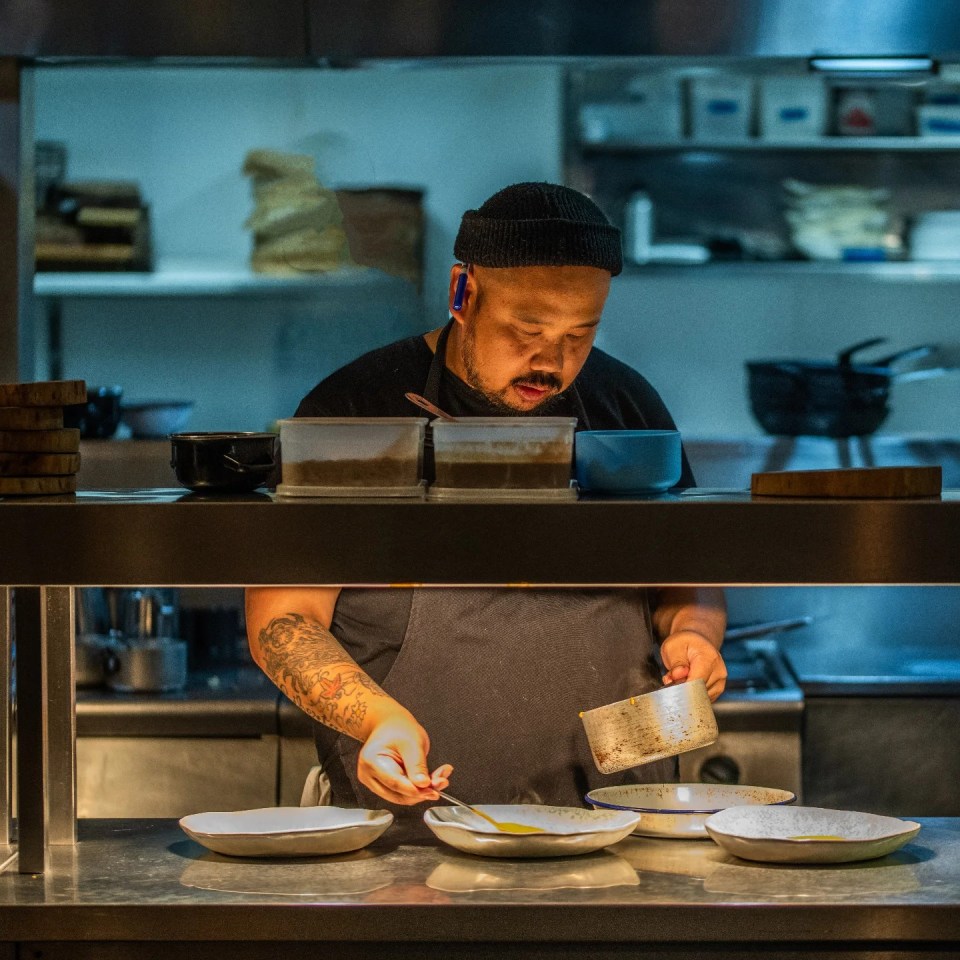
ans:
(183, 279)
(912, 144)
(910, 271)
(700, 537)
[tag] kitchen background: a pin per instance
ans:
(245, 350)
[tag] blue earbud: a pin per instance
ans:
(461, 286)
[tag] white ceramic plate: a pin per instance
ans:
(286, 831)
(679, 810)
(808, 834)
(568, 831)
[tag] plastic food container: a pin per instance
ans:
(352, 456)
(792, 108)
(503, 454)
(721, 107)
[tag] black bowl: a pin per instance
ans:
(99, 417)
(223, 462)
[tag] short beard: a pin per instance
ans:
(498, 398)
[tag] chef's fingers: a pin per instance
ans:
(440, 778)
(387, 771)
(414, 763)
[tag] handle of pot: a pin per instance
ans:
(912, 353)
(243, 468)
(930, 373)
(844, 356)
(111, 662)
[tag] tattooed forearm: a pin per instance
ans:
(308, 664)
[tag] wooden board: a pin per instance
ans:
(31, 418)
(45, 393)
(900, 482)
(32, 486)
(38, 464)
(39, 441)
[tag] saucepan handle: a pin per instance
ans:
(237, 467)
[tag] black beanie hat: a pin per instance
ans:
(539, 224)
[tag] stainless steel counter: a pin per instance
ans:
(145, 881)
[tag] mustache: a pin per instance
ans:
(536, 379)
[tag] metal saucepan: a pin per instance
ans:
(223, 462)
(650, 727)
(833, 399)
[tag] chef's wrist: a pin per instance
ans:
(384, 713)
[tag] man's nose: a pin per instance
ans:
(548, 358)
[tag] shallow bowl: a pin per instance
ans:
(680, 810)
(627, 461)
(156, 418)
(568, 831)
(808, 834)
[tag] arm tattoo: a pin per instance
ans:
(308, 664)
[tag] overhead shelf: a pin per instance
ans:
(914, 144)
(907, 270)
(175, 278)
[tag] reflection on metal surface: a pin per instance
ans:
(685, 858)
(61, 728)
(348, 875)
(5, 717)
(886, 877)
(460, 874)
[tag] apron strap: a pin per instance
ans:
(431, 389)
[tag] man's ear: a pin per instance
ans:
(461, 290)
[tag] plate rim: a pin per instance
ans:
(663, 810)
(377, 820)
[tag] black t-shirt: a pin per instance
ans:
(613, 395)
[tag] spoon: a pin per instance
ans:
(503, 826)
(430, 408)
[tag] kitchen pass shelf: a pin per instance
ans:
(179, 278)
(947, 271)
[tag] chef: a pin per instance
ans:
(414, 689)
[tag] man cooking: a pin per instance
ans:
(417, 688)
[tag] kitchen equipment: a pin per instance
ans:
(565, 831)
(156, 418)
(792, 107)
(627, 461)
(721, 106)
(352, 456)
(638, 227)
(150, 665)
(286, 831)
(99, 417)
(808, 834)
(43, 393)
(664, 723)
(425, 404)
(481, 456)
(223, 462)
(679, 810)
(901, 482)
(503, 827)
(824, 398)
(935, 235)
(92, 650)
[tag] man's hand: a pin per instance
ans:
(688, 655)
(393, 762)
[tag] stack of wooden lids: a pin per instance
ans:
(37, 455)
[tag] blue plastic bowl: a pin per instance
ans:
(627, 461)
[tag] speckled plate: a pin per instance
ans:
(286, 831)
(808, 834)
(680, 810)
(568, 831)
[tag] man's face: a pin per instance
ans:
(525, 332)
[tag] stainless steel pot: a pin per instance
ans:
(664, 723)
(92, 652)
(149, 666)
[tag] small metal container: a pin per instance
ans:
(650, 727)
(148, 665)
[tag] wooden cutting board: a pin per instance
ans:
(39, 441)
(44, 393)
(32, 486)
(900, 482)
(31, 418)
(38, 464)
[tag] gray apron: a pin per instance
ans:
(498, 677)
